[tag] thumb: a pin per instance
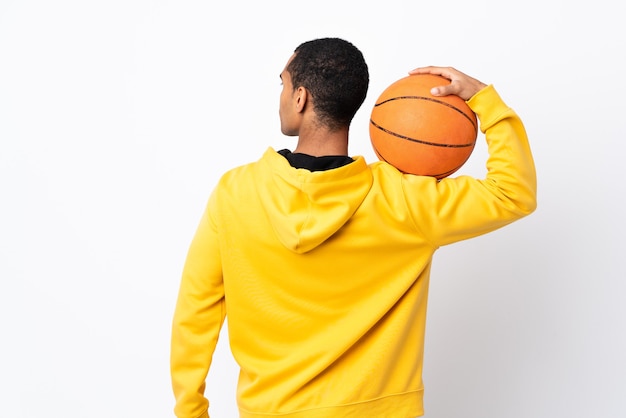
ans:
(442, 90)
(454, 88)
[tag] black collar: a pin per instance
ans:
(311, 163)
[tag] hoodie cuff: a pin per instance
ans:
(488, 106)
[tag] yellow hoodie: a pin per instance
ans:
(324, 276)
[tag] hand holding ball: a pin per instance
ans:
(419, 133)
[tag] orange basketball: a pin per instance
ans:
(419, 133)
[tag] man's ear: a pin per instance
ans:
(301, 97)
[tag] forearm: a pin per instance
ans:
(511, 171)
(195, 332)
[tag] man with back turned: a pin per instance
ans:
(321, 261)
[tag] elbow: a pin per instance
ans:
(519, 199)
(530, 201)
(522, 193)
(532, 205)
(529, 206)
(525, 202)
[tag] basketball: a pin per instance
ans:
(419, 133)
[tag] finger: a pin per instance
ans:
(431, 69)
(442, 90)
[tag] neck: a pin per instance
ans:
(322, 142)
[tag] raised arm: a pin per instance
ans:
(458, 208)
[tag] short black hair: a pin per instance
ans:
(335, 73)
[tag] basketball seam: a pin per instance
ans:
(421, 141)
(430, 99)
(438, 176)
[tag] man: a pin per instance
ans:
(321, 262)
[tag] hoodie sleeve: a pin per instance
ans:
(198, 319)
(455, 209)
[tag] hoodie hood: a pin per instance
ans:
(306, 208)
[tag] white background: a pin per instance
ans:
(118, 117)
